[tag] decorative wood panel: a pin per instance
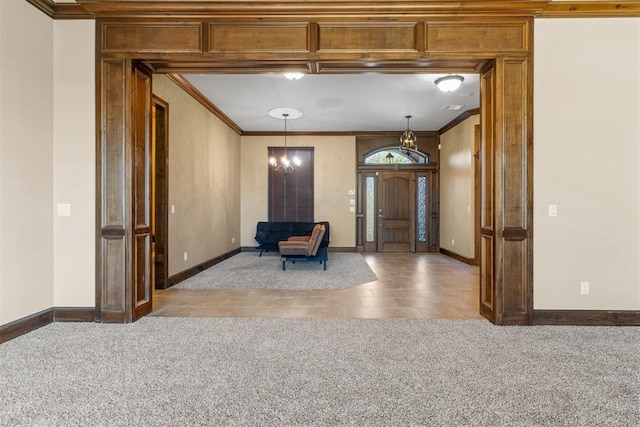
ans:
(111, 185)
(113, 264)
(476, 37)
(487, 292)
(152, 37)
(282, 37)
(515, 144)
(514, 296)
(367, 37)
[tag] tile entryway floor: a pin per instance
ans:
(408, 286)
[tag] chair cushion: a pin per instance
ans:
(289, 247)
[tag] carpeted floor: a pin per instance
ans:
(247, 270)
(293, 372)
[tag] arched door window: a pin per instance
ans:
(396, 155)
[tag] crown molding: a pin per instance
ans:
(198, 96)
(593, 9)
(461, 118)
(317, 8)
(61, 10)
(91, 9)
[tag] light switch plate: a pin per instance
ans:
(553, 211)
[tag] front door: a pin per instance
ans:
(396, 212)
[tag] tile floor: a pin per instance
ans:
(408, 286)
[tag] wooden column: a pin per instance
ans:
(113, 255)
(513, 191)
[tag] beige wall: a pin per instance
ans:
(334, 176)
(26, 160)
(456, 188)
(74, 163)
(587, 162)
(204, 180)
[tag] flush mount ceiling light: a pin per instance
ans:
(408, 138)
(294, 76)
(449, 83)
(283, 164)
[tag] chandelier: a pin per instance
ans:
(408, 138)
(284, 164)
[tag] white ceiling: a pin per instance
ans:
(337, 103)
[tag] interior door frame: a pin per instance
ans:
(332, 41)
(160, 190)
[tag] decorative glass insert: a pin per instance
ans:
(370, 197)
(422, 209)
(396, 155)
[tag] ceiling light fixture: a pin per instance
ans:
(283, 164)
(294, 76)
(449, 83)
(408, 138)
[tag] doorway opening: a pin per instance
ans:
(160, 192)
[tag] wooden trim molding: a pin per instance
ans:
(461, 118)
(43, 318)
(587, 317)
(74, 314)
(48, 7)
(469, 261)
(592, 9)
(534, 8)
(61, 10)
(184, 275)
(26, 324)
(198, 96)
(84, 9)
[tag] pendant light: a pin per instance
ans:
(408, 138)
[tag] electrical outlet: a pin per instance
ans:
(185, 256)
(584, 288)
(453, 242)
(233, 240)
